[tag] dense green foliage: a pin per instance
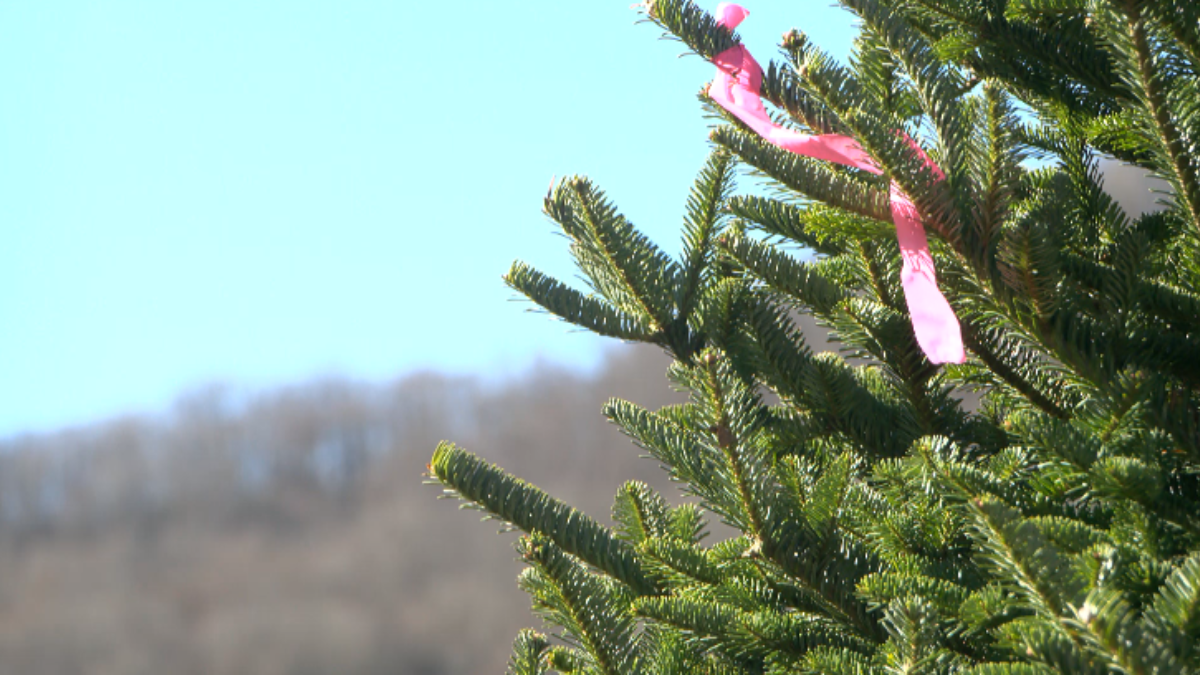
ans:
(885, 527)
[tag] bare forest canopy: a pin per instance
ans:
(292, 534)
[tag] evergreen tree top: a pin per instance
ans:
(884, 526)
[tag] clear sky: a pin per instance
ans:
(259, 192)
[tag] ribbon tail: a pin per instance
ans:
(933, 320)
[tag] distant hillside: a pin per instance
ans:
(291, 534)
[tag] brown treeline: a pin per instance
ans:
(289, 533)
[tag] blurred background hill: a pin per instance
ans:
(289, 532)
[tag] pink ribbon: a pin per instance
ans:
(736, 88)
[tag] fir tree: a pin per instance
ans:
(884, 527)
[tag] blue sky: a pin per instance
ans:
(261, 192)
